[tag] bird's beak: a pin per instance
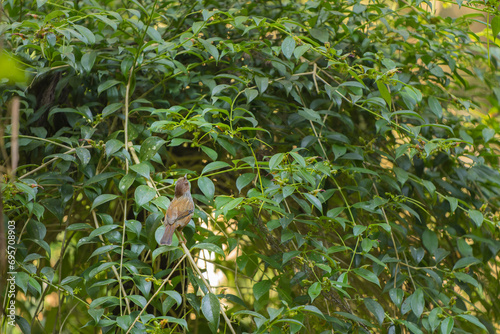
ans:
(185, 176)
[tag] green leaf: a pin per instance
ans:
(314, 200)
(314, 290)
(181, 322)
(144, 194)
(435, 107)
(107, 85)
(22, 280)
(251, 94)
(473, 320)
(310, 115)
(112, 146)
(367, 275)
(313, 309)
(214, 166)
(197, 26)
(287, 191)
(88, 35)
(384, 92)
(138, 300)
(175, 296)
(477, 217)
(110, 109)
(288, 46)
(70, 279)
(206, 186)
(83, 154)
(103, 249)
(495, 26)
(465, 262)
(274, 313)
(212, 49)
(78, 226)
(358, 229)
(467, 279)
(124, 321)
(324, 267)
(134, 226)
(289, 255)
(209, 247)
(126, 182)
(210, 307)
(109, 22)
(154, 34)
(321, 35)
(276, 160)
(35, 285)
(430, 241)
(488, 133)
(232, 204)
(102, 267)
(453, 203)
(418, 302)
(300, 160)
(88, 60)
(149, 147)
(397, 296)
(412, 327)
(429, 186)
(354, 318)
(262, 83)
(102, 230)
(261, 288)
(141, 169)
(109, 300)
(243, 180)
(464, 248)
(208, 151)
(433, 318)
(101, 199)
(375, 309)
(447, 325)
(162, 249)
(96, 314)
(300, 50)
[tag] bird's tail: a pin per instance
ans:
(167, 236)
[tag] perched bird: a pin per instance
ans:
(179, 211)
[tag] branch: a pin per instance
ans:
(156, 293)
(188, 254)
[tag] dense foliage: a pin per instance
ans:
(343, 157)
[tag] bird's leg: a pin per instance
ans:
(184, 241)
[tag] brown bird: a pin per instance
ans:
(179, 211)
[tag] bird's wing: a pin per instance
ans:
(172, 212)
(179, 208)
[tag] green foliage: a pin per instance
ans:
(343, 157)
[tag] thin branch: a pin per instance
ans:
(118, 276)
(193, 264)
(156, 293)
(14, 140)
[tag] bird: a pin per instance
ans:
(179, 211)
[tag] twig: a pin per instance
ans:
(14, 140)
(190, 258)
(66, 318)
(156, 293)
(118, 276)
(51, 161)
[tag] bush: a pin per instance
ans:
(343, 157)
